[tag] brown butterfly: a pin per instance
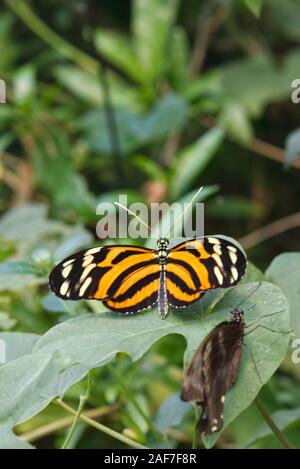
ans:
(213, 371)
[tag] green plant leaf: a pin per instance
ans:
(15, 275)
(235, 120)
(8, 440)
(284, 271)
(171, 413)
(87, 87)
(151, 27)
(254, 6)
(17, 344)
(119, 51)
(284, 419)
(192, 160)
(90, 341)
(135, 130)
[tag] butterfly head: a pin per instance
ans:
(163, 243)
(237, 315)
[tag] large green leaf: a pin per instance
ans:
(192, 160)
(64, 354)
(17, 344)
(284, 271)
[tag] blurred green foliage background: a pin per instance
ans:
(149, 98)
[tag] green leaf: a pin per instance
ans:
(119, 51)
(284, 271)
(87, 87)
(29, 383)
(284, 419)
(191, 161)
(135, 130)
(15, 275)
(10, 441)
(292, 146)
(86, 342)
(17, 344)
(254, 6)
(171, 413)
(234, 119)
(55, 173)
(254, 82)
(151, 26)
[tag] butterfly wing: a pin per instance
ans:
(124, 274)
(212, 372)
(202, 264)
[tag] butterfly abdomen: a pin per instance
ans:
(162, 295)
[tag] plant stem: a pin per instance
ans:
(195, 431)
(83, 398)
(279, 435)
(62, 46)
(53, 427)
(108, 431)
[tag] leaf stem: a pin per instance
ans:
(82, 400)
(195, 431)
(279, 435)
(102, 428)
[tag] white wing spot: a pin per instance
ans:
(232, 248)
(234, 273)
(66, 271)
(64, 288)
(218, 260)
(85, 286)
(68, 262)
(218, 274)
(87, 260)
(214, 428)
(217, 249)
(86, 272)
(223, 399)
(233, 257)
(213, 241)
(93, 251)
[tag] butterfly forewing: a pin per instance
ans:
(202, 264)
(98, 273)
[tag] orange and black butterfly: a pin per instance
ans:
(129, 279)
(213, 370)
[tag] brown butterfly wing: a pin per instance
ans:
(213, 371)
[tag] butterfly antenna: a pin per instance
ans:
(134, 215)
(184, 211)
(248, 296)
